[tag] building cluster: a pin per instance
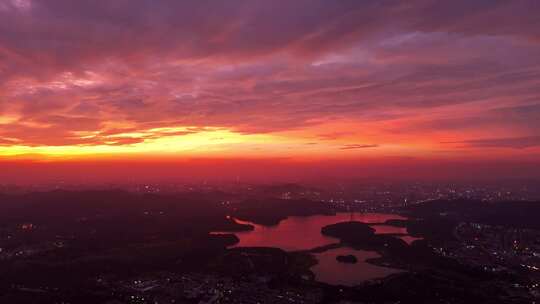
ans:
(204, 289)
(391, 197)
(498, 250)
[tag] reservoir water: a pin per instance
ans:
(330, 271)
(304, 233)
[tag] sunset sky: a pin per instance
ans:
(387, 83)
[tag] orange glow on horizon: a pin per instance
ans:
(128, 82)
(322, 141)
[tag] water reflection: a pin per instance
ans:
(329, 271)
(409, 239)
(386, 229)
(304, 232)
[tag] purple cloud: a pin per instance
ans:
(393, 67)
(511, 142)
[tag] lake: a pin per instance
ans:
(330, 271)
(304, 233)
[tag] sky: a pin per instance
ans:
(340, 86)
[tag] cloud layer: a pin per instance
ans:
(405, 74)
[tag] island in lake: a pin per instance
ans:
(349, 259)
